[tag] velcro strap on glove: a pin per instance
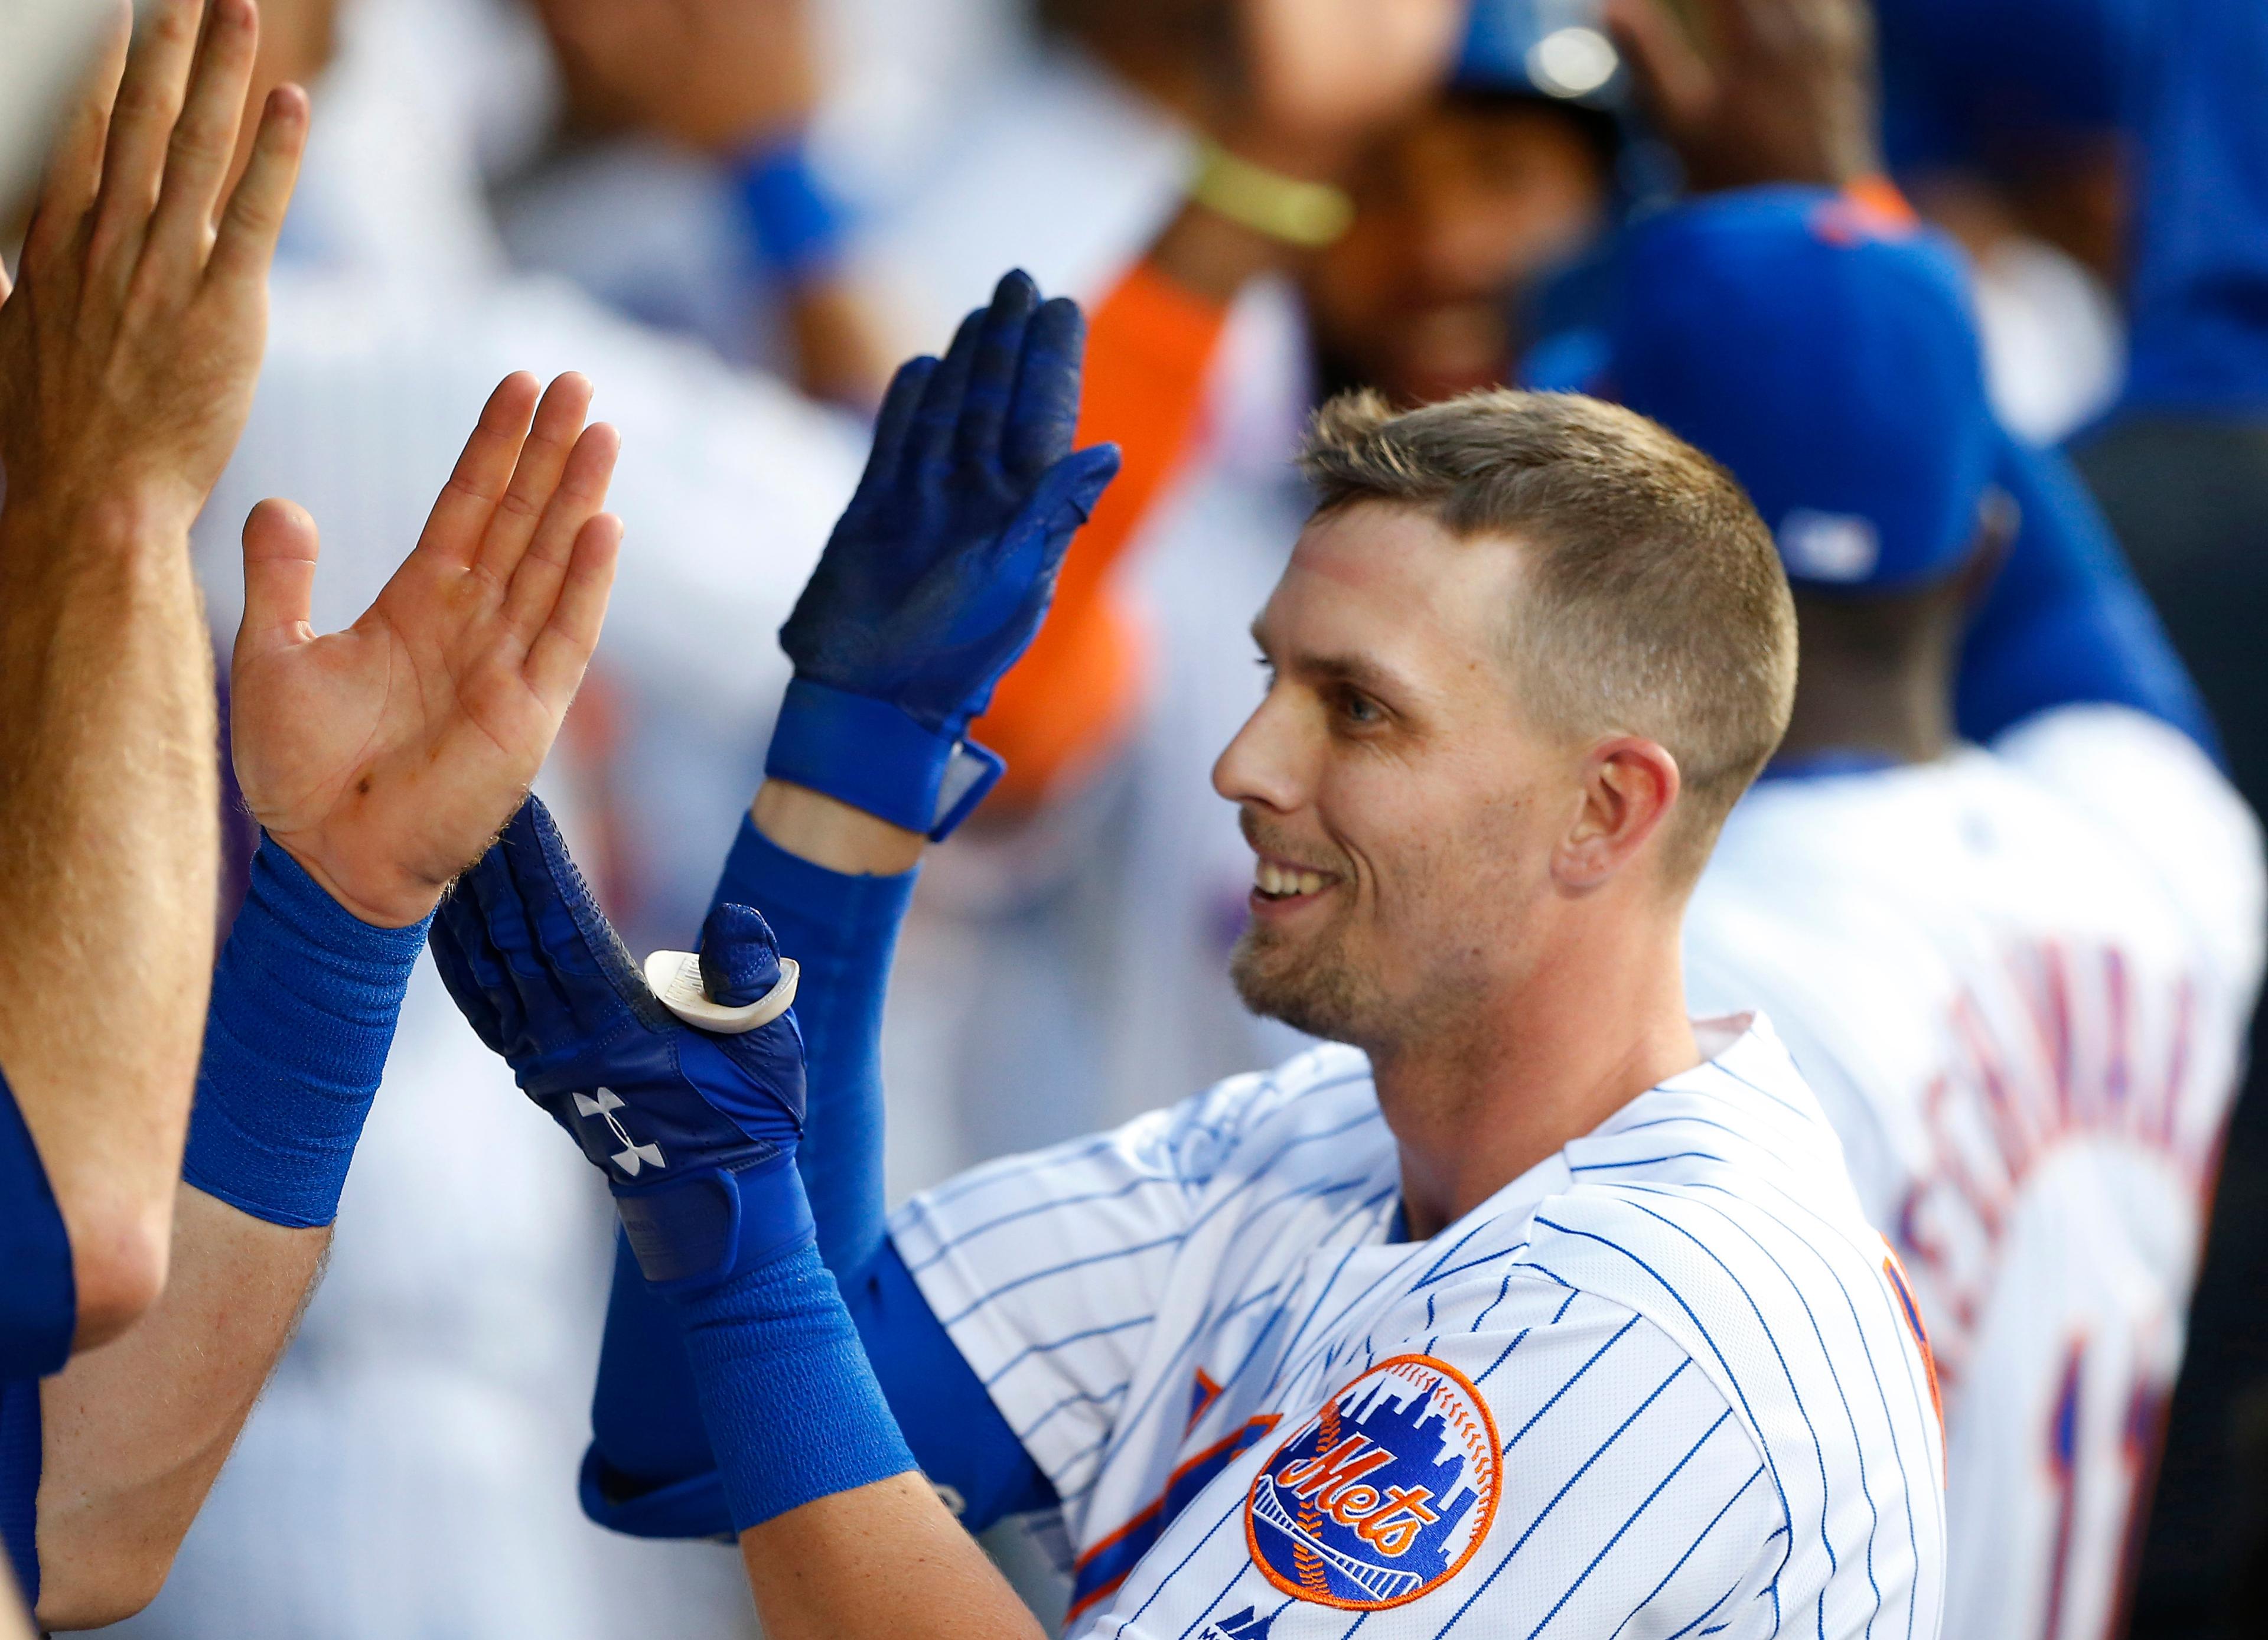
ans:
(872, 755)
(695, 1231)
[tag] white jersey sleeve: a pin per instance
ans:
(1048, 1268)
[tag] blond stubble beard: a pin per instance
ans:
(1318, 991)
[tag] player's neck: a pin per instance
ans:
(1590, 1030)
(1874, 674)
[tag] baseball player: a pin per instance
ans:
(2017, 971)
(1539, 1306)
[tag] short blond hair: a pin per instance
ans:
(1655, 603)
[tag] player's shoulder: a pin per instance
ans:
(1322, 1098)
(2153, 793)
(1719, 1207)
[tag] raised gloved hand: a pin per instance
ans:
(938, 574)
(695, 1130)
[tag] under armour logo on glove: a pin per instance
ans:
(633, 1155)
(678, 1118)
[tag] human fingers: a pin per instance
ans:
(929, 444)
(246, 243)
(561, 652)
(75, 168)
(535, 477)
(470, 974)
(1043, 417)
(1065, 497)
(589, 970)
(460, 514)
(893, 423)
(499, 935)
(580, 491)
(204, 142)
(281, 545)
(141, 127)
(992, 369)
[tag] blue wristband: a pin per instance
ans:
(792, 1407)
(874, 757)
(38, 1291)
(304, 1004)
(794, 222)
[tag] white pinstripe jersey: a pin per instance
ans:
(2019, 980)
(1664, 1384)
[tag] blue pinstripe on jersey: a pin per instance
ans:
(1267, 1280)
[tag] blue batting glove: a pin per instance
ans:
(695, 1131)
(940, 570)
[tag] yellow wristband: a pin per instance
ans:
(1309, 215)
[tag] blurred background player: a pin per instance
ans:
(2019, 976)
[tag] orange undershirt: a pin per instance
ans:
(1150, 346)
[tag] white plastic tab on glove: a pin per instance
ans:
(675, 977)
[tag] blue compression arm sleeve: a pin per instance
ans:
(2065, 623)
(651, 1471)
(303, 1006)
(38, 1298)
(844, 932)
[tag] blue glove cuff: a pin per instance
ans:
(872, 755)
(692, 1233)
(303, 1006)
(794, 221)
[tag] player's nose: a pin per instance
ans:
(1267, 762)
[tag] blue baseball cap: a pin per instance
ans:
(1821, 346)
(1559, 50)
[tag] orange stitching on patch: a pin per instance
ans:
(1487, 1483)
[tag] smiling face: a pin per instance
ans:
(1403, 808)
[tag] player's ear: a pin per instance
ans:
(1999, 515)
(1628, 786)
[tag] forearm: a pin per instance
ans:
(884, 1561)
(108, 855)
(304, 1004)
(833, 882)
(133, 1434)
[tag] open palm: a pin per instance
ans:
(385, 757)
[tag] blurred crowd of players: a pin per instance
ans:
(733, 214)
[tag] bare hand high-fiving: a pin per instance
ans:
(128, 354)
(385, 757)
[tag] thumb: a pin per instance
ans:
(1068, 491)
(739, 956)
(280, 545)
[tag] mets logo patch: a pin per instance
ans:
(1384, 1494)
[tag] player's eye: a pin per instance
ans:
(1359, 711)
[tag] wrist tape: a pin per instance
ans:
(305, 1002)
(793, 219)
(791, 1405)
